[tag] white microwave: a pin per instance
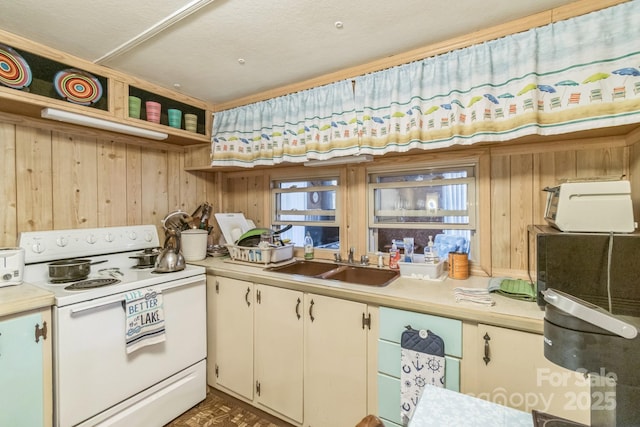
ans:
(591, 206)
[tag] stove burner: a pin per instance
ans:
(142, 267)
(91, 283)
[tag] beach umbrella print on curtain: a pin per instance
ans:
(595, 78)
(491, 98)
(527, 88)
(565, 84)
(626, 72)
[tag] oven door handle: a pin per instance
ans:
(78, 311)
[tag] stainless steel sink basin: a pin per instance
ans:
(342, 273)
(362, 275)
(305, 268)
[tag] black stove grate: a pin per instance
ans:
(91, 283)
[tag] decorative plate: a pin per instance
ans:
(77, 86)
(14, 70)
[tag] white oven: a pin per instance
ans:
(96, 381)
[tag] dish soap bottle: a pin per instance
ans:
(394, 257)
(308, 246)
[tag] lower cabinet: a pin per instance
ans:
(25, 370)
(508, 367)
(392, 323)
(299, 356)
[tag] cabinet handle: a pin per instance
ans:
(487, 350)
(311, 311)
(41, 332)
(246, 297)
(298, 309)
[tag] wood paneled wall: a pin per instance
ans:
(516, 176)
(56, 180)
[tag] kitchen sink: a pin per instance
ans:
(305, 268)
(342, 273)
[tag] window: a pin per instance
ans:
(437, 203)
(310, 206)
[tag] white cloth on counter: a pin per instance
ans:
(144, 323)
(476, 295)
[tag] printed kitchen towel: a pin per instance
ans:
(144, 319)
(422, 364)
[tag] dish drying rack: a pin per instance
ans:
(256, 255)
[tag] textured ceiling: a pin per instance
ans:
(197, 44)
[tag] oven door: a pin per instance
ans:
(92, 369)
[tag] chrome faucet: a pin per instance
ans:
(351, 252)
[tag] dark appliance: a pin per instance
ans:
(586, 338)
(589, 266)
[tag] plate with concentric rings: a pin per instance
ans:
(14, 70)
(77, 86)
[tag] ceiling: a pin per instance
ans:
(221, 50)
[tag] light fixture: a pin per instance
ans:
(79, 119)
(345, 160)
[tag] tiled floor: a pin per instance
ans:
(221, 410)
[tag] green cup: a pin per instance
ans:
(191, 122)
(134, 107)
(175, 118)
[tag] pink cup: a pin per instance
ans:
(153, 111)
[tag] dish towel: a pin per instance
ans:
(475, 295)
(422, 364)
(144, 319)
(513, 288)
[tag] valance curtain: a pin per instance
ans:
(319, 123)
(572, 75)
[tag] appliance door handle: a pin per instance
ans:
(79, 311)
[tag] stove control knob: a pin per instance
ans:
(109, 237)
(91, 239)
(148, 236)
(37, 248)
(62, 241)
(133, 235)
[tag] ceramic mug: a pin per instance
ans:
(134, 107)
(153, 111)
(191, 122)
(175, 118)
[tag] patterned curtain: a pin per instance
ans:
(319, 123)
(573, 75)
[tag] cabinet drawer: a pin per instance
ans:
(393, 322)
(389, 364)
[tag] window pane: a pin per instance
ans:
(311, 207)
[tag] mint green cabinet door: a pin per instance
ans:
(21, 372)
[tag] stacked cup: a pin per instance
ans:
(153, 111)
(175, 118)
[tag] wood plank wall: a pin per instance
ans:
(516, 176)
(56, 180)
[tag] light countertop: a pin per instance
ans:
(431, 297)
(23, 297)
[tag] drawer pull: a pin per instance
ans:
(487, 350)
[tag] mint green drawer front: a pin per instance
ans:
(393, 322)
(389, 390)
(389, 398)
(389, 364)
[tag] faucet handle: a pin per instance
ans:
(337, 257)
(364, 260)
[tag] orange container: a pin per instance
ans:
(458, 265)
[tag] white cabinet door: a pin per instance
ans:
(25, 370)
(233, 312)
(508, 367)
(335, 388)
(279, 350)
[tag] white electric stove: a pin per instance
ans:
(96, 382)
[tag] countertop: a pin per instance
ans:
(23, 297)
(425, 296)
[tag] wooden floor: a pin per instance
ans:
(221, 410)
